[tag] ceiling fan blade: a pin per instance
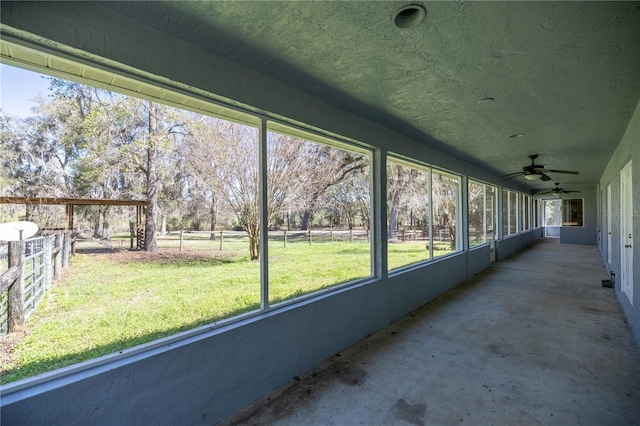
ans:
(543, 193)
(569, 192)
(571, 172)
(544, 177)
(509, 177)
(512, 174)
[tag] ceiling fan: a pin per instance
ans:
(556, 191)
(536, 171)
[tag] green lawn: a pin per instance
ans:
(108, 302)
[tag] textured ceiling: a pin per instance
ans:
(564, 75)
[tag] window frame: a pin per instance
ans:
(419, 165)
(494, 211)
(277, 126)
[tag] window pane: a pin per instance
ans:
(477, 214)
(572, 212)
(490, 212)
(445, 191)
(407, 214)
(318, 207)
(552, 211)
(103, 145)
(513, 212)
(505, 213)
(525, 212)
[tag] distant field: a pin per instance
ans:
(110, 301)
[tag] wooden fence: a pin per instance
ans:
(29, 268)
(310, 236)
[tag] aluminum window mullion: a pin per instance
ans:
(379, 232)
(430, 192)
(462, 214)
(264, 236)
(484, 213)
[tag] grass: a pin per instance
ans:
(107, 302)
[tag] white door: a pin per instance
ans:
(609, 223)
(626, 234)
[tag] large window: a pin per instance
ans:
(526, 212)
(408, 213)
(422, 212)
(509, 212)
(445, 189)
(482, 199)
(319, 214)
(572, 212)
(567, 212)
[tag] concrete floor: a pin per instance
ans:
(534, 340)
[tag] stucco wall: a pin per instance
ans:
(628, 150)
(513, 243)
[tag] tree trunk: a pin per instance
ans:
(214, 217)
(96, 225)
(132, 231)
(393, 216)
(254, 247)
(254, 243)
(105, 230)
(163, 224)
(305, 220)
(150, 242)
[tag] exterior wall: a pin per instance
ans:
(511, 244)
(201, 376)
(478, 259)
(628, 149)
(413, 288)
(552, 231)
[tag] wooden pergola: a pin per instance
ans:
(70, 203)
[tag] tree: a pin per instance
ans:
(477, 211)
(349, 200)
(445, 192)
(132, 142)
(225, 155)
(325, 167)
(42, 149)
(407, 192)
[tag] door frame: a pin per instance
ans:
(608, 207)
(626, 231)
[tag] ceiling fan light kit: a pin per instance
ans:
(532, 176)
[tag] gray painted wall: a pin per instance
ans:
(513, 243)
(628, 149)
(552, 231)
(478, 259)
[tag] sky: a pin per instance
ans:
(18, 88)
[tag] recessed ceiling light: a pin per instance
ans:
(409, 16)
